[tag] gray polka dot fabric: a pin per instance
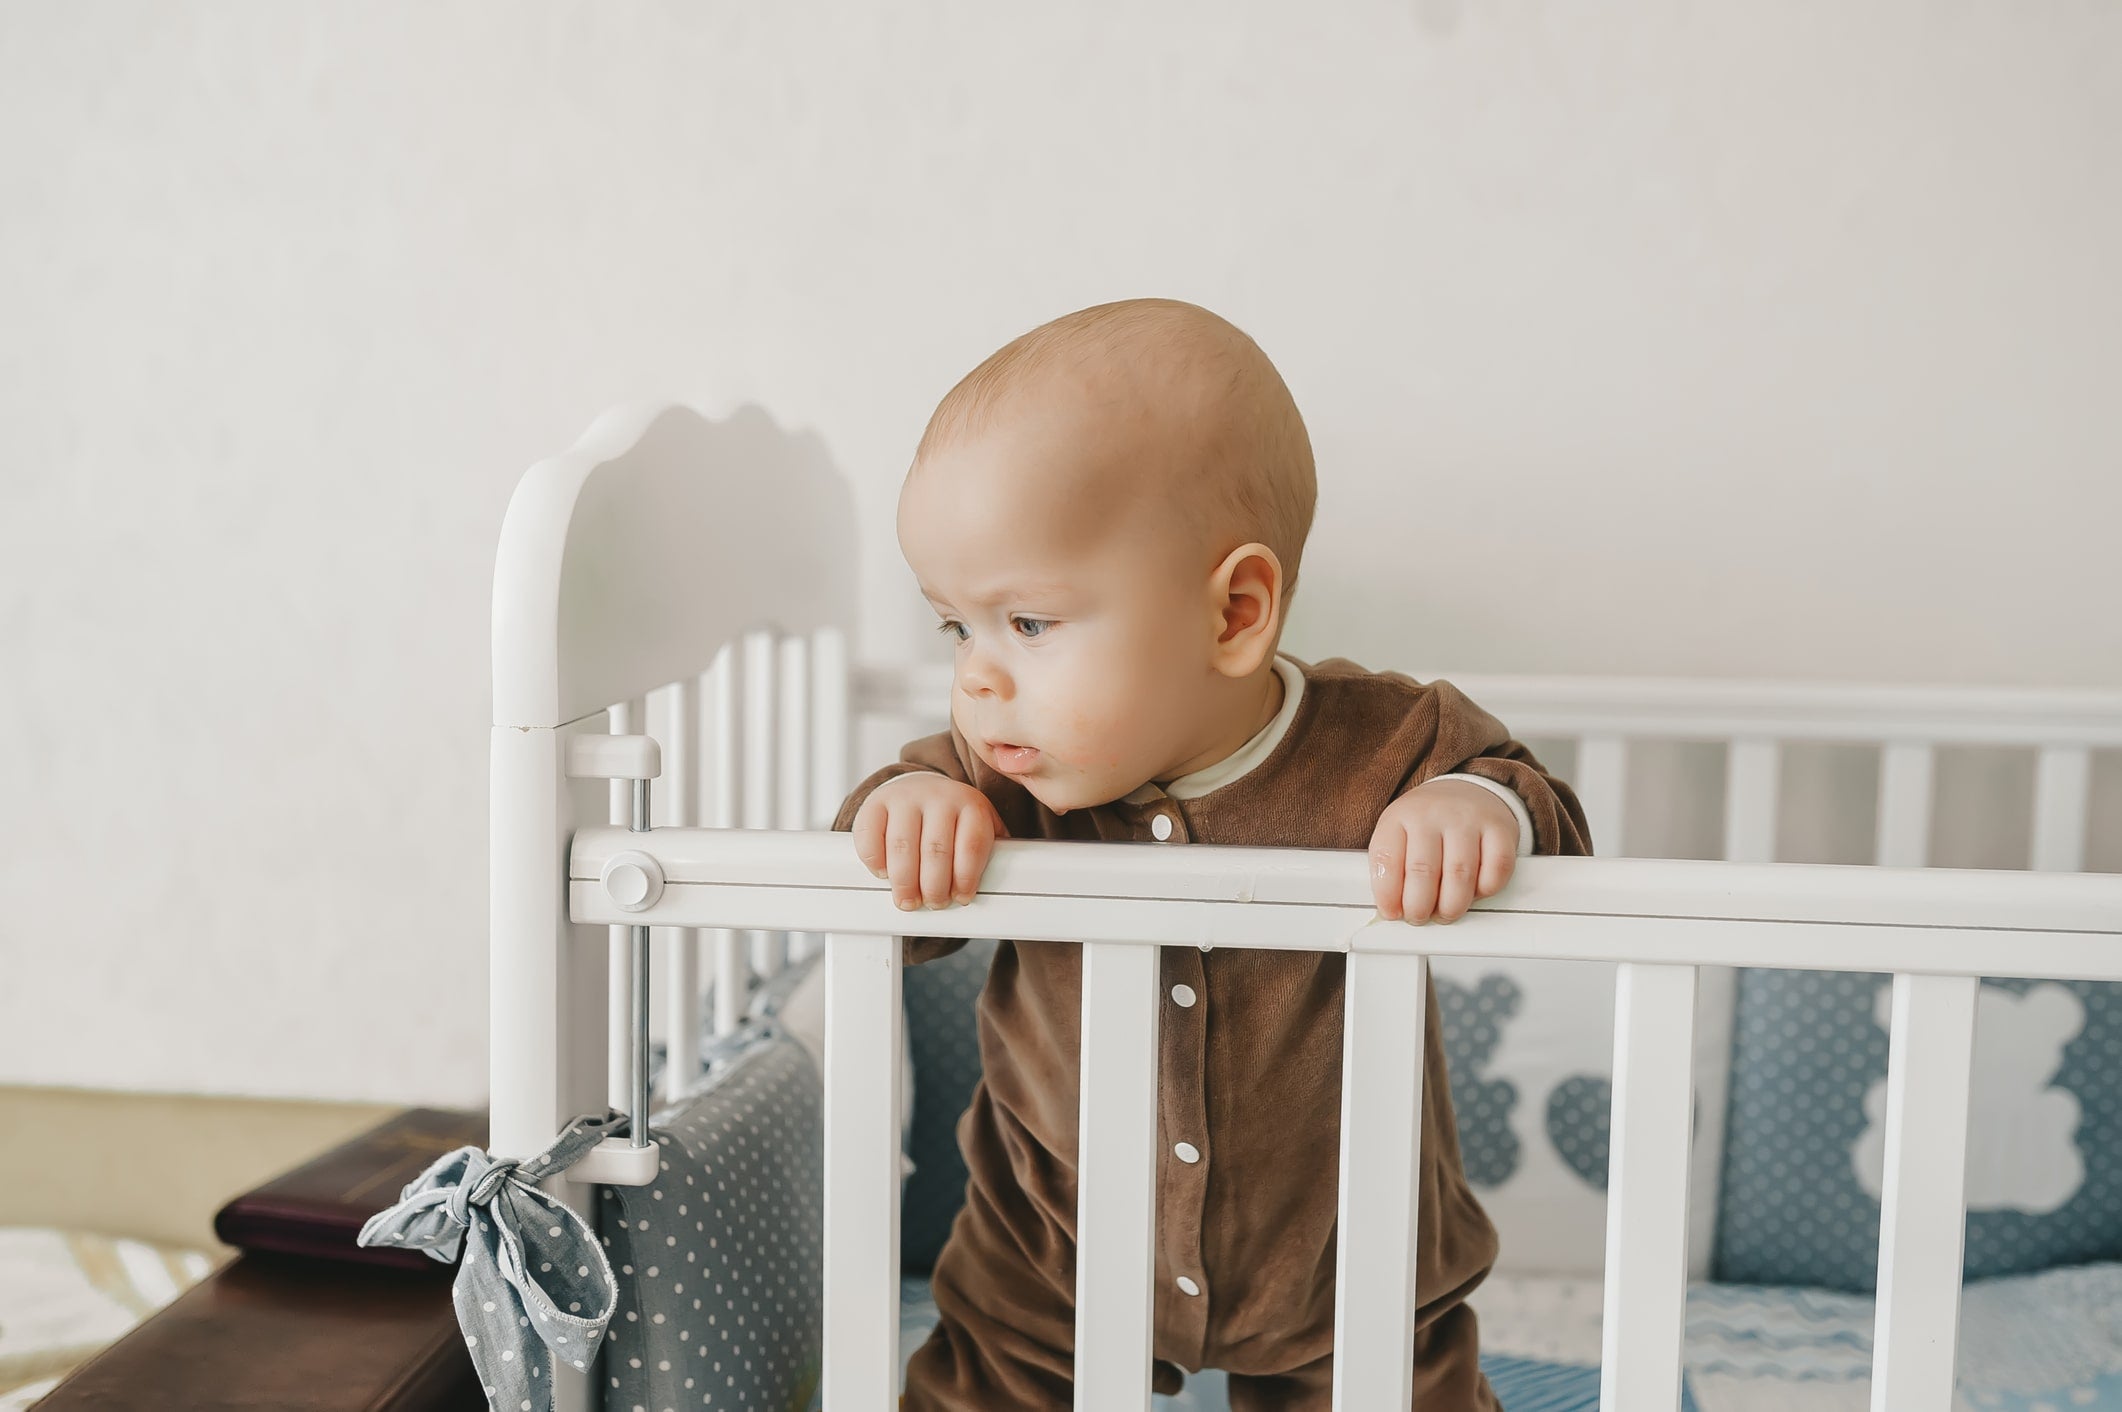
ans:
(719, 1260)
(1804, 1146)
(533, 1285)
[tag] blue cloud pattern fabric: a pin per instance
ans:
(1474, 1018)
(534, 1285)
(1808, 1073)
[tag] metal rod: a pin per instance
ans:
(638, 957)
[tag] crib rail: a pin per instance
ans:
(1936, 930)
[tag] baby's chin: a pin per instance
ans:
(1060, 796)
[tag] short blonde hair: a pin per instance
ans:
(1255, 479)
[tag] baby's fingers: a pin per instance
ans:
(1388, 855)
(1498, 860)
(868, 830)
(1462, 864)
(939, 847)
(903, 837)
(1425, 857)
(975, 836)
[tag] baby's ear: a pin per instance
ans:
(1248, 584)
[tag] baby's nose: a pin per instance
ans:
(978, 677)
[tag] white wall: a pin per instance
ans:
(1647, 337)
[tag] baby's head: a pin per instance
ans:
(1108, 515)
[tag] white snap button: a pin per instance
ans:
(1183, 994)
(1188, 1152)
(1207, 946)
(1161, 826)
(1188, 1286)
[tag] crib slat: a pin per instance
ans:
(678, 804)
(1381, 1145)
(1646, 1188)
(1116, 1191)
(624, 718)
(829, 744)
(1751, 784)
(769, 948)
(732, 969)
(831, 747)
(862, 1019)
(792, 768)
(1923, 1217)
(2062, 779)
(1602, 787)
(1906, 769)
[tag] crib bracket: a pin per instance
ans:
(616, 1162)
(634, 881)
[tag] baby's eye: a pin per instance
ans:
(1040, 623)
(950, 627)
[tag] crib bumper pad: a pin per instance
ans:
(721, 1295)
(526, 1256)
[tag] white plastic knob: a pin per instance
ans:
(633, 880)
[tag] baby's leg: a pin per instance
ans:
(1005, 1334)
(1447, 1375)
(1005, 1290)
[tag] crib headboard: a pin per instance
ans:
(661, 535)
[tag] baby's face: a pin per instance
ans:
(1081, 627)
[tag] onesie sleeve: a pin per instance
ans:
(936, 754)
(1464, 739)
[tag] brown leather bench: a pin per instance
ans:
(278, 1333)
(305, 1321)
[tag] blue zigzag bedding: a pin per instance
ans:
(2050, 1342)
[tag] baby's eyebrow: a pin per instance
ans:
(1007, 593)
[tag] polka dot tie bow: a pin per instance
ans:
(534, 1286)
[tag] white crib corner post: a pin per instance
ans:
(1646, 1189)
(547, 1033)
(863, 1016)
(1116, 1185)
(1386, 1003)
(1923, 1210)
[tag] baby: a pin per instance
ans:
(1107, 515)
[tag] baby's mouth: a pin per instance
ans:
(1015, 759)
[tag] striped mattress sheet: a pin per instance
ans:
(64, 1295)
(2047, 1342)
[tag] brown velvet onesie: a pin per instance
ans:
(1249, 1074)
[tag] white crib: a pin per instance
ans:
(675, 588)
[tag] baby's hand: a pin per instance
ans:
(930, 835)
(1438, 847)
